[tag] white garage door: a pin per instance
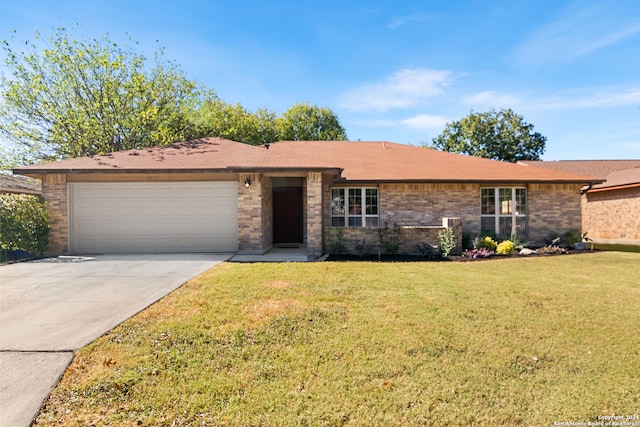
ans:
(150, 217)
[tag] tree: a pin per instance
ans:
(304, 122)
(68, 98)
(502, 135)
(214, 117)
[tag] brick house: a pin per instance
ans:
(216, 195)
(610, 209)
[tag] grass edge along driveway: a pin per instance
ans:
(534, 341)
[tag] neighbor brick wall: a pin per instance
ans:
(54, 191)
(613, 215)
(553, 208)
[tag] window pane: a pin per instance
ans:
(337, 201)
(355, 221)
(521, 227)
(337, 221)
(371, 200)
(487, 201)
(521, 201)
(505, 227)
(505, 201)
(487, 225)
(355, 201)
(372, 221)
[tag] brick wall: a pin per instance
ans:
(613, 216)
(366, 241)
(54, 191)
(314, 207)
(250, 215)
(553, 208)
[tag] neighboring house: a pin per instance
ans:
(216, 195)
(15, 184)
(611, 209)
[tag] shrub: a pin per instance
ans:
(446, 241)
(570, 237)
(337, 244)
(390, 238)
(24, 223)
(505, 248)
(466, 240)
(486, 243)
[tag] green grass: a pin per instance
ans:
(504, 342)
(620, 248)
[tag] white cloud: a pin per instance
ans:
(403, 89)
(425, 121)
(577, 32)
(605, 97)
(491, 99)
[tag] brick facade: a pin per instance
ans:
(314, 222)
(250, 214)
(54, 192)
(553, 208)
(418, 208)
(612, 216)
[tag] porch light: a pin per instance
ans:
(247, 183)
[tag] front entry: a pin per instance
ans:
(287, 215)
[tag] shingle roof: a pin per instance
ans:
(359, 161)
(614, 173)
(19, 184)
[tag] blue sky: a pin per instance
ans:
(395, 71)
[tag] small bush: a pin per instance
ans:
(570, 237)
(337, 244)
(390, 238)
(24, 223)
(486, 243)
(505, 248)
(446, 241)
(467, 243)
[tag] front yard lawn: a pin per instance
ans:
(532, 341)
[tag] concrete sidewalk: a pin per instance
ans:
(50, 309)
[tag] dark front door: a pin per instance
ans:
(287, 215)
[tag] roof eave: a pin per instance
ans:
(614, 187)
(36, 173)
(467, 181)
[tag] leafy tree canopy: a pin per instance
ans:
(502, 135)
(69, 98)
(304, 122)
(65, 97)
(214, 117)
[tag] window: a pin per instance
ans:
(503, 211)
(354, 207)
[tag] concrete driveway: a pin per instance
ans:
(50, 309)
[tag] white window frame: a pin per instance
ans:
(513, 214)
(366, 220)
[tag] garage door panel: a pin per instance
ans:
(154, 217)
